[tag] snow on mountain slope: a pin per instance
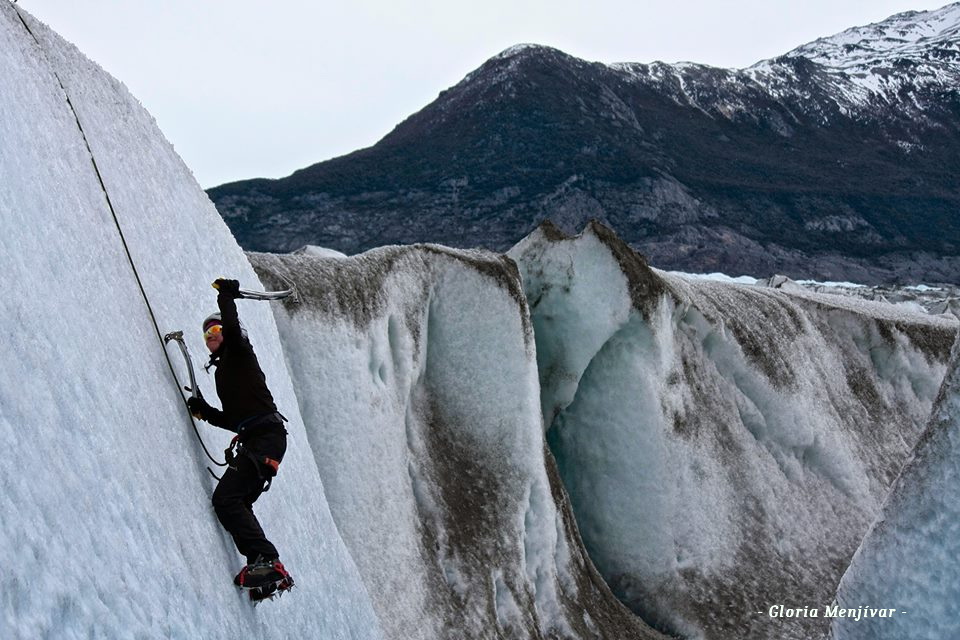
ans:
(903, 35)
(725, 447)
(416, 375)
(894, 59)
(104, 509)
(910, 560)
(862, 71)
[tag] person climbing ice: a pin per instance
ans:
(256, 450)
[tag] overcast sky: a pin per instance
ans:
(249, 89)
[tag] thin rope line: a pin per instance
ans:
(116, 221)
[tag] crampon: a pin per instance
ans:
(269, 591)
(262, 580)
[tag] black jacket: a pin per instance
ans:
(248, 407)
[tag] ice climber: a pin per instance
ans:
(257, 449)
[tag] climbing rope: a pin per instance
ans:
(123, 239)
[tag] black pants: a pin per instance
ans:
(234, 496)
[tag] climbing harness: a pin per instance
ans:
(266, 466)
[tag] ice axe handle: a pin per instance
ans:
(178, 337)
(249, 294)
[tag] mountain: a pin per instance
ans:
(833, 161)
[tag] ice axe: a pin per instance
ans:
(269, 295)
(193, 389)
(178, 336)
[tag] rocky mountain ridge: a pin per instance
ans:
(833, 161)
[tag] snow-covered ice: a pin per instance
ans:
(718, 277)
(104, 508)
(313, 250)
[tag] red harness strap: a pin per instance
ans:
(273, 464)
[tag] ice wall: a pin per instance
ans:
(105, 519)
(910, 560)
(725, 447)
(416, 375)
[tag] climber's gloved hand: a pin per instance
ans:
(226, 287)
(199, 408)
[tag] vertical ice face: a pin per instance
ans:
(104, 496)
(724, 446)
(416, 376)
(909, 563)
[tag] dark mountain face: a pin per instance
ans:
(837, 160)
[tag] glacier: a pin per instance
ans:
(481, 445)
(725, 446)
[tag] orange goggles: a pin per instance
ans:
(212, 330)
